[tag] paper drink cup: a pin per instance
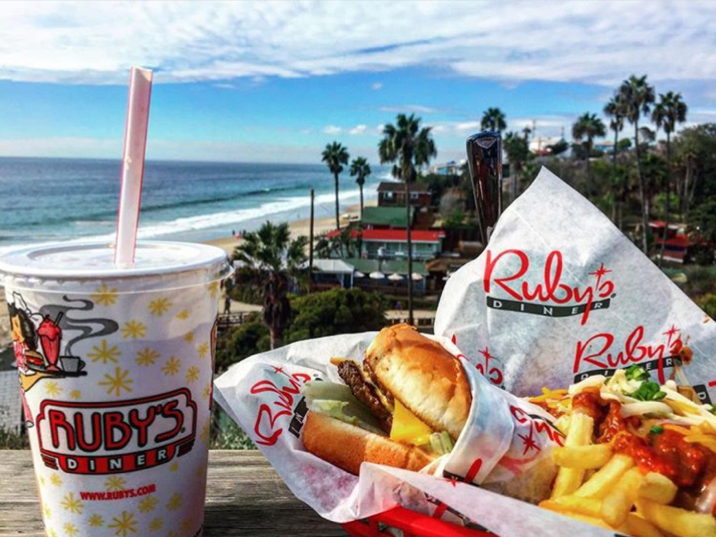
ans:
(115, 368)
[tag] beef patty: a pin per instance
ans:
(365, 393)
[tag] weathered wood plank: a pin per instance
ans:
(245, 497)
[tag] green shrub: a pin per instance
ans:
(240, 342)
(340, 311)
(701, 280)
(226, 434)
(13, 440)
(708, 304)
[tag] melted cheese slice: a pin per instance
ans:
(408, 428)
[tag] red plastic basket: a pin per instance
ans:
(412, 524)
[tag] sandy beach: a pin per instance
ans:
(300, 227)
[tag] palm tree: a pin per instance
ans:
(614, 110)
(493, 120)
(407, 146)
(335, 155)
(360, 169)
(589, 126)
(272, 259)
(518, 153)
(670, 110)
(638, 96)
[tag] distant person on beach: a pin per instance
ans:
(227, 305)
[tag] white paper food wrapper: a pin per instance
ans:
(561, 294)
(599, 289)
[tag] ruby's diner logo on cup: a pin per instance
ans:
(116, 437)
(549, 297)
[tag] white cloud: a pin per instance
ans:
(594, 42)
(376, 85)
(332, 129)
(410, 108)
(358, 129)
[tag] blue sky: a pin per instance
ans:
(276, 81)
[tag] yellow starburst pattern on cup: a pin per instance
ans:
(117, 381)
(147, 357)
(205, 431)
(51, 532)
(104, 353)
(186, 525)
(156, 524)
(171, 366)
(173, 467)
(159, 306)
(105, 295)
(207, 391)
(174, 502)
(134, 330)
(203, 350)
(189, 337)
(124, 524)
(72, 504)
(70, 529)
(41, 479)
(183, 315)
(192, 374)
(114, 483)
(52, 389)
(214, 289)
(96, 521)
(55, 480)
(75, 395)
(147, 504)
(46, 510)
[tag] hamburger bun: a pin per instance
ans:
(347, 446)
(423, 376)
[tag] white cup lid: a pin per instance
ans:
(92, 260)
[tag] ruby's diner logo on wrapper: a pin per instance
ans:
(505, 272)
(116, 437)
(278, 396)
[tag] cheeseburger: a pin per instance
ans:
(403, 406)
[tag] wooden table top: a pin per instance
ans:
(245, 497)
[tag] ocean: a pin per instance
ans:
(52, 199)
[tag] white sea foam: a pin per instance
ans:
(225, 219)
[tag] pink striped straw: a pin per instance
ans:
(135, 145)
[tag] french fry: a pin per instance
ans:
(601, 483)
(676, 521)
(582, 457)
(580, 434)
(657, 488)
(573, 504)
(620, 499)
(638, 527)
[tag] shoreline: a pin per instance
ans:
(298, 227)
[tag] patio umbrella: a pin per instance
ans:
(395, 277)
(416, 277)
(376, 275)
(358, 274)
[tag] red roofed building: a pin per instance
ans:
(393, 243)
(677, 243)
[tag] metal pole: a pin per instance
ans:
(310, 244)
(408, 226)
(484, 158)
